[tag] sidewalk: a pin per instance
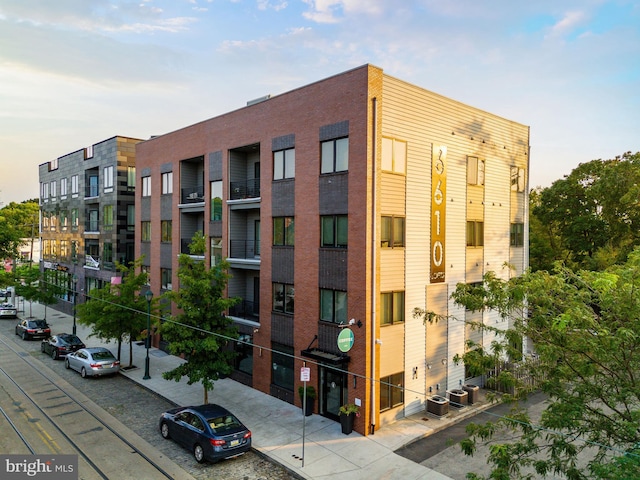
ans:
(277, 426)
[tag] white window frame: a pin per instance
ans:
(108, 177)
(74, 185)
(394, 155)
(146, 186)
(475, 171)
(284, 164)
(518, 177)
(167, 183)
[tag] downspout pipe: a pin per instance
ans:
(374, 223)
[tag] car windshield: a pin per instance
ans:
(224, 423)
(70, 339)
(102, 356)
(38, 324)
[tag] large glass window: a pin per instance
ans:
(517, 235)
(165, 227)
(146, 186)
(216, 250)
(334, 230)
(167, 183)
(64, 220)
(391, 391)
(94, 216)
(335, 156)
(165, 279)
(475, 234)
(131, 217)
(392, 232)
(108, 177)
(517, 179)
(74, 219)
(284, 164)
(283, 298)
(475, 171)
(107, 252)
(63, 187)
(53, 189)
(391, 308)
(283, 231)
(282, 374)
(333, 306)
(108, 217)
(145, 231)
(394, 155)
(74, 184)
(216, 201)
(131, 178)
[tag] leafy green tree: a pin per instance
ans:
(31, 284)
(585, 328)
(18, 221)
(119, 312)
(201, 332)
(589, 219)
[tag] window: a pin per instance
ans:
(167, 183)
(283, 297)
(334, 230)
(165, 227)
(53, 222)
(517, 179)
(282, 374)
(53, 189)
(165, 279)
(107, 252)
(131, 217)
(74, 219)
(216, 201)
(74, 251)
(475, 171)
(392, 232)
(391, 308)
(283, 231)
(64, 220)
(335, 156)
(64, 249)
(92, 225)
(216, 250)
(394, 155)
(63, 187)
(517, 235)
(146, 186)
(107, 221)
(145, 269)
(145, 231)
(333, 306)
(108, 177)
(131, 178)
(284, 164)
(475, 234)
(93, 186)
(74, 184)
(391, 391)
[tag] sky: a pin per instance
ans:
(76, 72)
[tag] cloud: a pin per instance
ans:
(567, 24)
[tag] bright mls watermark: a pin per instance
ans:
(50, 467)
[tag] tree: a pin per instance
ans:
(31, 284)
(585, 327)
(590, 219)
(201, 332)
(17, 222)
(119, 311)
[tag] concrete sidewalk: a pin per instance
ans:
(324, 452)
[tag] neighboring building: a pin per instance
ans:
(87, 216)
(342, 206)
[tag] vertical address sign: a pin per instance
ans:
(438, 212)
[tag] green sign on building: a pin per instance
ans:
(345, 340)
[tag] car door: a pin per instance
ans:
(194, 432)
(50, 344)
(181, 426)
(76, 361)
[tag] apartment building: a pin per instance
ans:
(87, 217)
(341, 206)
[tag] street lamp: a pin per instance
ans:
(149, 296)
(75, 299)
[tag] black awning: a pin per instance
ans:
(326, 357)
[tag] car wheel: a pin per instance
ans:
(24, 335)
(164, 430)
(83, 373)
(66, 364)
(54, 354)
(198, 453)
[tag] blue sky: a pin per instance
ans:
(75, 72)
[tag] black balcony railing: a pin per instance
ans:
(245, 189)
(245, 309)
(244, 249)
(192, 195)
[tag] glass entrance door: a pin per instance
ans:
(333, 393)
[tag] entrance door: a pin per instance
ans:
(333, 385)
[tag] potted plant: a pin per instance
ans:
(311, 397)
(348, 414)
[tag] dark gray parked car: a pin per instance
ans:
(61, 344)
(210, 431)
(28, 329)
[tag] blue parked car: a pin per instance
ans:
(210, 431)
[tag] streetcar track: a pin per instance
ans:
(50, 418)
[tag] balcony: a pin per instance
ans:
(245, 189)
(246, 309)
(192, 195)
(248, 249)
